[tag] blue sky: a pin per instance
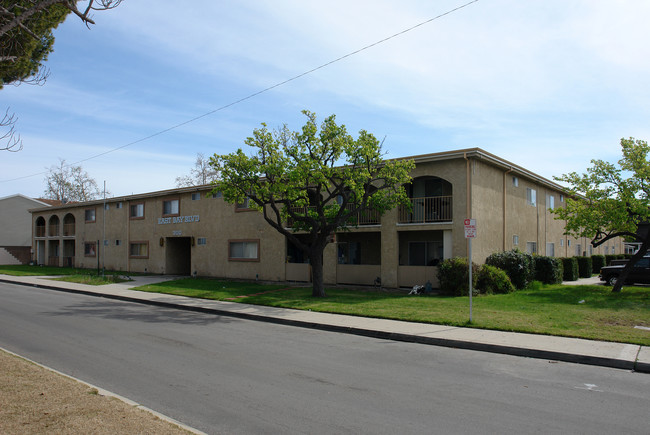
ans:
(546, 84)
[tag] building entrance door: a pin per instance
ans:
(178, 256)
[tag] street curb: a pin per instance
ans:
(106, 393)
(410, 338)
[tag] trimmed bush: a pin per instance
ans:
(609, 258)
(597, 263)
(584, 267)
(453, 276)
(548, 270)
(520, 267)
(570, 266)
(492, 280)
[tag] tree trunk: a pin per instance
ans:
(316, 257)
(628, 267)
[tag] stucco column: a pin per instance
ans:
(389, 249)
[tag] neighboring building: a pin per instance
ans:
(187, 231)
(16, 228)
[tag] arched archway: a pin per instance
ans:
(54, 226)
(69, 225)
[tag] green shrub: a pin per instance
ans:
(453, 276)
(597, 263)
(492, 280)
(584, 267)
(548, 270)
(570, 266)
(519, 266)
(609, 258)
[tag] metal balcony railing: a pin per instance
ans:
(427, 210)
(365, 217)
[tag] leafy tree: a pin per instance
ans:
(26, 40)
(202, 173)
(295, 181)
(611, 201)
(70, 183)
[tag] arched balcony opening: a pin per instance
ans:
(69, 225)
(54, 229)
(39, 229)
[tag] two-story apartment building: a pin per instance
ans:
(190, 231)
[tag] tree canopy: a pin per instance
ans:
(611, 200)
(312, 182)
(26, 40)
(202, 173)
(70, 183)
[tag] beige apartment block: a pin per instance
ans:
(189, 231)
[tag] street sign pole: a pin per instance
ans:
(470, 280)
(470, 233)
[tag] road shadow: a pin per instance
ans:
(140, 313)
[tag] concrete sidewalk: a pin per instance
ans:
(606, 354)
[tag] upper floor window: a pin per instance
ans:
(170, 207)
(550, 202)
(244, 205)
(89, 215)
(136, 211)
(196, 196)
(531, 197)
(515, 181)
(515, 240)
(118, 205)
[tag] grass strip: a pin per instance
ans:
(587, 311)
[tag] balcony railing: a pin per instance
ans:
(364, 217)
(53, 260)
(40, 231)
(427, 210)
(53, 231)
(68, 229)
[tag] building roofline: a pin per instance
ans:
(476, 153)
(481, 154)
(20, 195)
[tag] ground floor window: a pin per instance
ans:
(139, 250)
(424, 253)
(243, 250)
(550, 249)
(531, 247)
(90, 249)
(349, 253)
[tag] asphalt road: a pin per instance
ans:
(228, 375)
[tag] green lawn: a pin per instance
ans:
(25, 270)
(69, 274)
(552, 309)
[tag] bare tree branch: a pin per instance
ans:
(12, 141)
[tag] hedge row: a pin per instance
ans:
(504, 272)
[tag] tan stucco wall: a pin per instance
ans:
(490, 189)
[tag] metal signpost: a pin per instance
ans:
(470, 233)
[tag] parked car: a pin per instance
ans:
(640, 273)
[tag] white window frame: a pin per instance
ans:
(244, 250)
(171, 207)
(531, 196)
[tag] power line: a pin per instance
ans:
(381, 41)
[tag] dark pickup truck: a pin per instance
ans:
(640, 273)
